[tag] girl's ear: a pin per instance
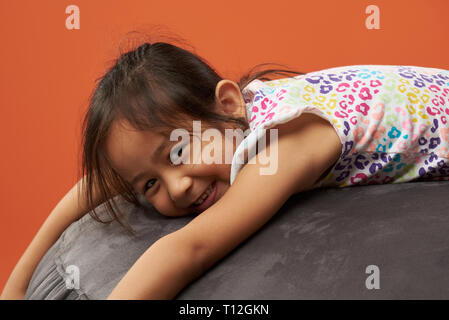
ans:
(229, 99)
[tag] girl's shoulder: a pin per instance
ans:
(315, 138)
(304, 141)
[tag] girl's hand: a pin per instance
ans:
(161, 271)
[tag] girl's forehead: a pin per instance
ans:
(125, 144)
(124, 132)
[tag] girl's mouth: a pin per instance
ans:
(210, 199)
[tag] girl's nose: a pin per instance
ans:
(178, 189)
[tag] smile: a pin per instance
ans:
(206, 199)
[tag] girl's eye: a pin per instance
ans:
(176, 155)
(146, 184)
(180, 152)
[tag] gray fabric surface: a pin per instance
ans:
(317, 246)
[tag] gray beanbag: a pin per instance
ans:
(362, 242)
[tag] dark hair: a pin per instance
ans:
(154, 86)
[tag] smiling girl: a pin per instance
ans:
(335, 127)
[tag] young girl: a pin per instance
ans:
(360, 124)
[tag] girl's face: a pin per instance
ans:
(145, 160)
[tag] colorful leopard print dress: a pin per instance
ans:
(392, 120)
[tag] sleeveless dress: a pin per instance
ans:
(392, 120)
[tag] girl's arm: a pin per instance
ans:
(68, 210)
(307, 146)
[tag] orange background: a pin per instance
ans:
(48, 72)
